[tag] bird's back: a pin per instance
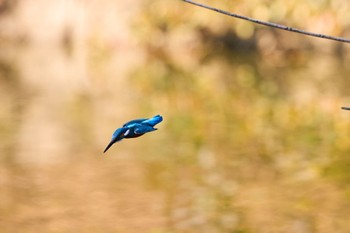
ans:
(137, 121)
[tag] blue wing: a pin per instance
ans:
(151, 121)
(143, 128)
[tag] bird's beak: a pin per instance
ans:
(345, 108)
(109, 145)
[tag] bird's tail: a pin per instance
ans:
(154, 120)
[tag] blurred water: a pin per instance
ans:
(253, 138)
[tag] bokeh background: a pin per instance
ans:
(253, 140)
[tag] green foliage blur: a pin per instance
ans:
(255, 108)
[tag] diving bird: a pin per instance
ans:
(134, 129)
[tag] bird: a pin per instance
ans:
(345, 108)
(134, 129)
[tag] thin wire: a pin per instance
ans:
(275, 25)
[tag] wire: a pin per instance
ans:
(275, 25)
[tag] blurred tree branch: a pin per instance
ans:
(269, 24)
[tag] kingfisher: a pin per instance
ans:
(134, 129)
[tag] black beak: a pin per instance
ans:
(345, 108)
(109, 145)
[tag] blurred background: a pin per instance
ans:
(253, 138)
